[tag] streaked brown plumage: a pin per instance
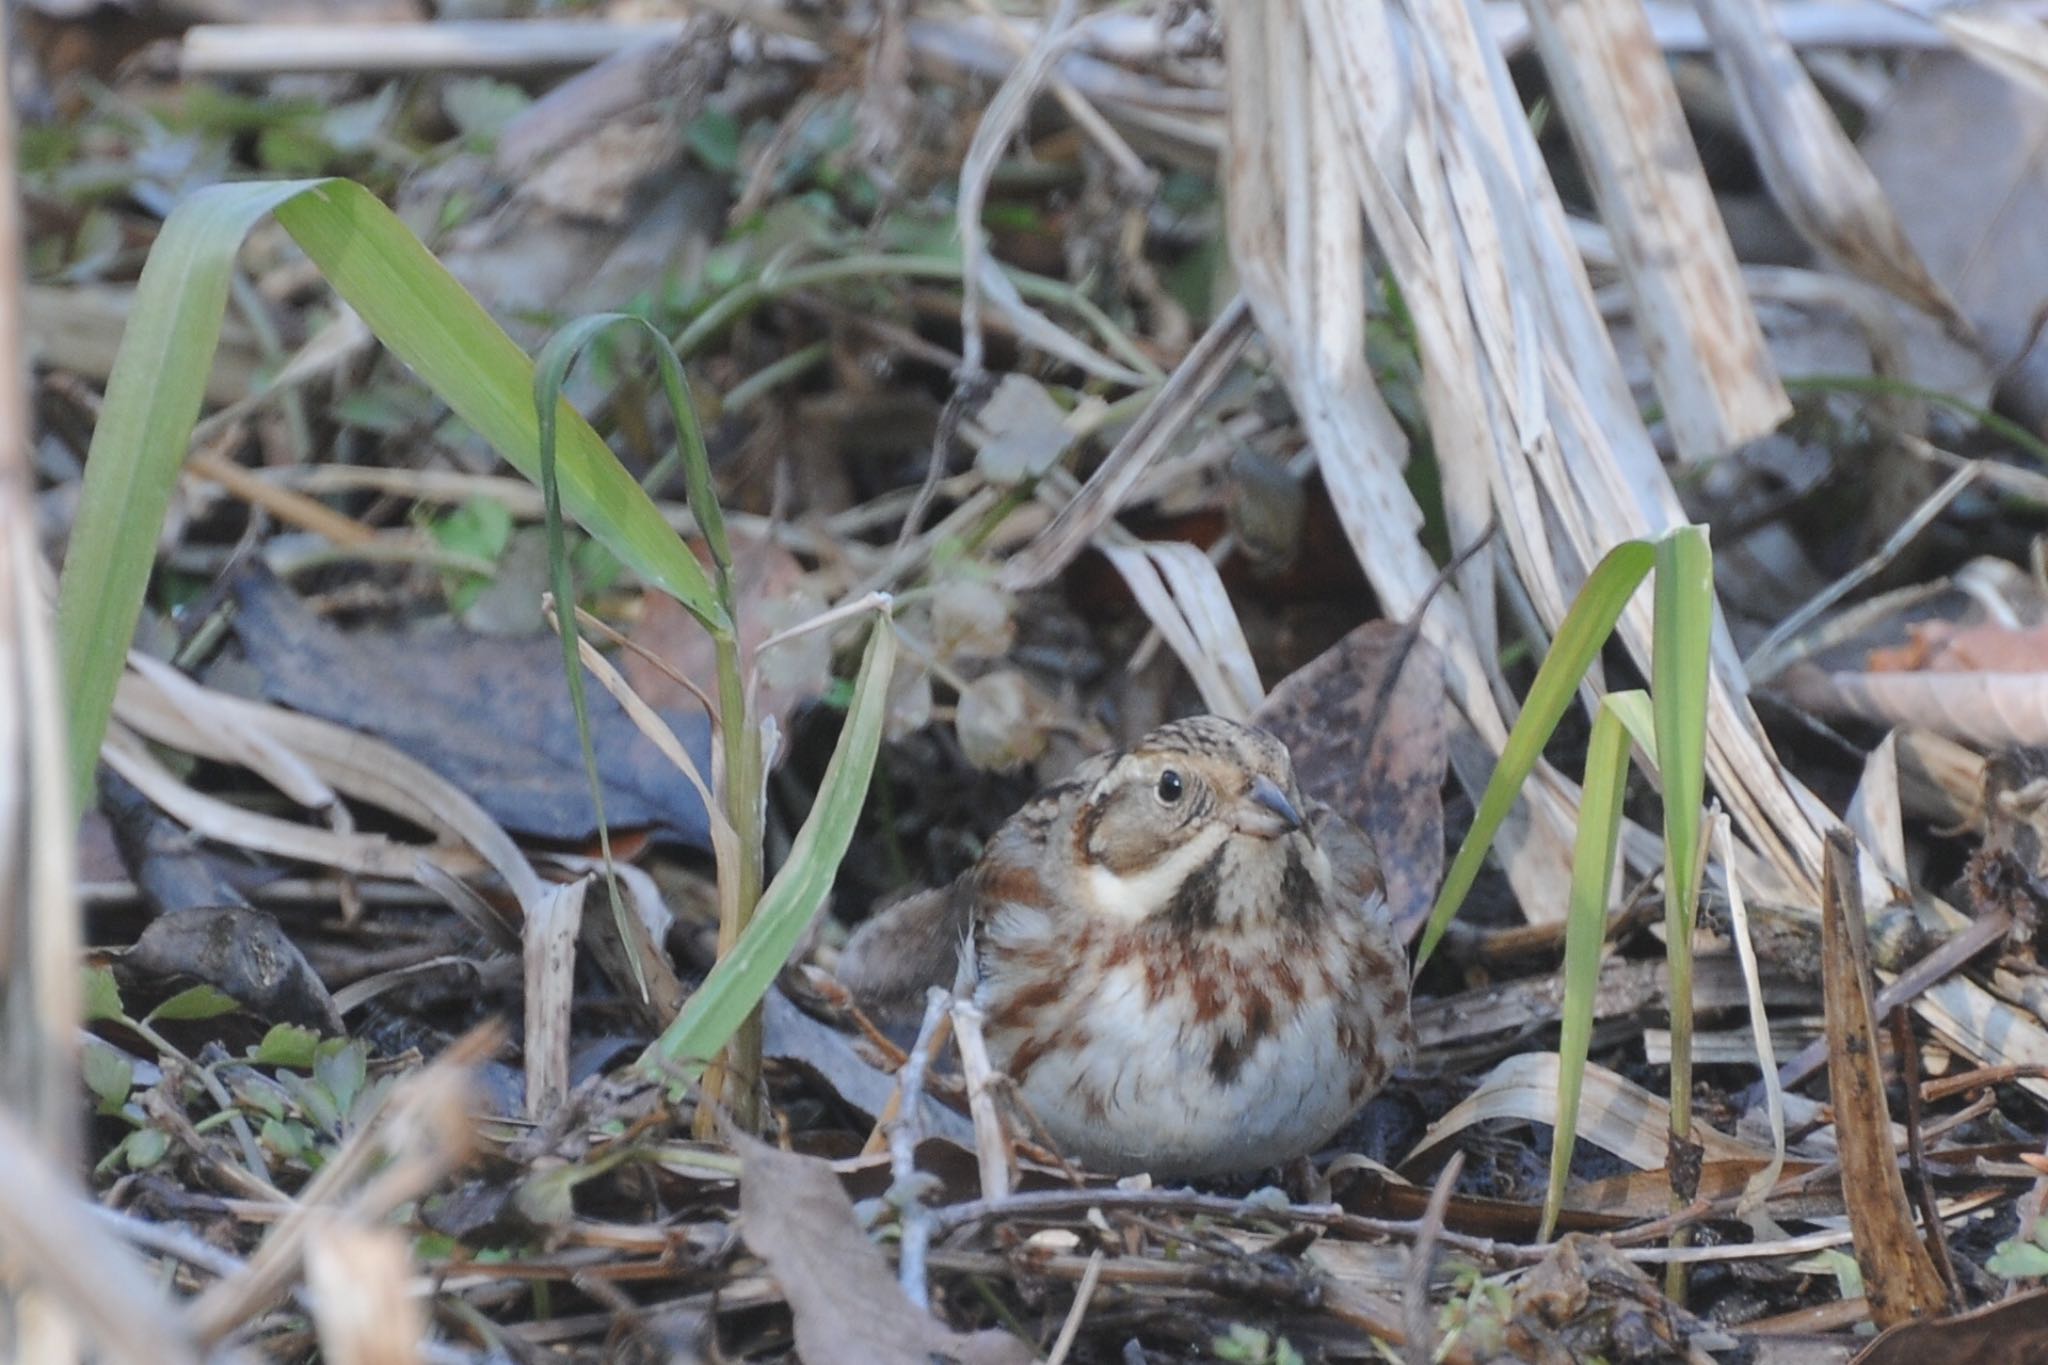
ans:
(1186, 967)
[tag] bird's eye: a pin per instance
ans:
(1170, 786)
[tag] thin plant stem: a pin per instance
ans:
(773, 283)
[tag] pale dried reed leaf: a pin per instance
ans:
(54, 1244)
(1615, 1114)
(550, 941)
(1180, 592)
(370, 855)
(1985, 710)
(1877, 817)
(1985, 1027)
(1294, 176)
(1545, 430)
(1180, 398)
(39, 913)
(1941, 780)
(358, 766)
(1814, 173)
(363, 1303)
(1706, 349)
(2016, 47)
(981, 280)
(247, 748)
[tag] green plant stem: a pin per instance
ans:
(742, 791)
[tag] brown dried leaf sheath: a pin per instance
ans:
(1899, 1278)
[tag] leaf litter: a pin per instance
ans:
(319, 1122)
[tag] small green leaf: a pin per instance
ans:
(340, 1066)
(714, 136)
(195, 1002)
(1242, 1345)
(288, 1139)
(259, 1093)
(109, 1073)
(2017, 1260)
(315, 1102)
(481, 107)
(481, 527)
(102, 995)
(286, 1045)
(145, 1147)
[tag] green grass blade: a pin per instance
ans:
(735, 986)
(153, 396)
(1585, 929)
(550, 373)
(430, 322)
(1678, 696)
(152, 401)
(1579, 639)
(1636, 715)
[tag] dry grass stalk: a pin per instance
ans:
(1814, 172)
(1899, 1276)
(80, 1281)
(1706, 349)
(1531, 416)
(550, 934)
(363, 1303)
(1301, 255)
(39, 931)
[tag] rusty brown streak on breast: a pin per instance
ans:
(1012, 883)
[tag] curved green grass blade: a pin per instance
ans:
(152, 401)
(1579, 638)
(550, 373)
(1585, 930)
(735, 986)
(411, 303)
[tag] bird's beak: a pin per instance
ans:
(1268, 814)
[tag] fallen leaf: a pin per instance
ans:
(491, 715)
(2002, 1334)
(1393, 790)
(774, 594)
(241, 952)
(1026, 430)
(1987, 647)
(795, 1215)
(1584, 1301)
(1957, 148)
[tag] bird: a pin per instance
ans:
(1185, 966)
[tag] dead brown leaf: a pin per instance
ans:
(849, 1311)
(1957, 148)
(774, 594)
(1585, 1302)
(2003, 1334)
(1988, 647)
(1899, 1276)
(1324, 713)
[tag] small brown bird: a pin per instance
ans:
(1186, 968)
